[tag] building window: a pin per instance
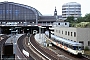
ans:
(62, 32)
(56, 30)
(59, 31)
(68, 33)
(74, 41)
(74, 34)
(71, 33)
(88, 43)
(65, 23)
(65, 32)
(58, 23)
(81, 42)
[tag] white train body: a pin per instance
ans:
(70, 46)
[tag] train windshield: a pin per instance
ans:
(78, 47)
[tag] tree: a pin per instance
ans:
(87, 18)
(70, 19)
(80, 19)
(86, 48)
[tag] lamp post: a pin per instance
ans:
(28, 34)
(39, 32)
(42, 34)
(11, 35)
(28, 38)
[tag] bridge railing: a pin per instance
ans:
(27, 24)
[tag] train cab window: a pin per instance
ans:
(81, 48)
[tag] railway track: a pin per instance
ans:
(33, 53)
(51, 55)
(65, 55)
(60, 54)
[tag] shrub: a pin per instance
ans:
(87, 48)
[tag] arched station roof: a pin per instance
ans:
(14, 11)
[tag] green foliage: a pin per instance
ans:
(70, 19)
(87, 48)
(82, 24)
(72, 24)
(87, 17)
(88, 25)
(80, 19)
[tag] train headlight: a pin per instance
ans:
(76, 51)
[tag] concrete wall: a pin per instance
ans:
(82, 34)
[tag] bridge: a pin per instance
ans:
(24, 24)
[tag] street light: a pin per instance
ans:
(42, 34)
(39, 31)
(33, 23)
(11, 35)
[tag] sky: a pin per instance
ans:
(47, 7)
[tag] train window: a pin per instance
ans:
(58, 42)
(62, 43)
(70, 47)
(75, 47)
(81, 42)
(67, 45)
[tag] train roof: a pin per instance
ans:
(68, 41)
(65, 40)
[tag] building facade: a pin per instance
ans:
(15, 12)
(71, 9)
(80, 35)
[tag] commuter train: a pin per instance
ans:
(67, 45)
